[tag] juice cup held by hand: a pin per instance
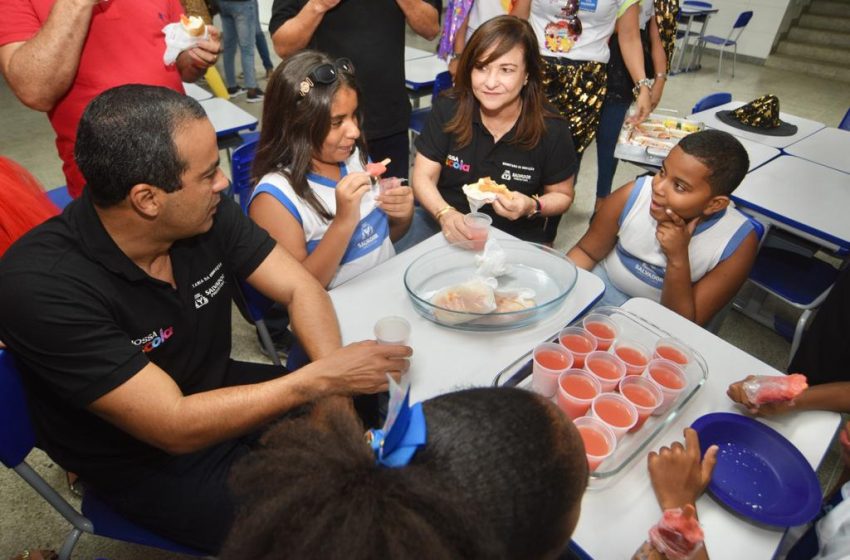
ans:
(674, 350)
(670, 378)
(549, 361)
(607, 368)
(634, 354)
(579, 342)
(392, 330)
(478, 224)
(599, 441)
(643, 394)
(615, 412)
(603, 328)
(576, 390)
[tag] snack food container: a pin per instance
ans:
(651, 141)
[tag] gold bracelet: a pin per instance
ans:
(442, 211)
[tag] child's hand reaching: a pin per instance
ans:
(395, 199)
(674, 235)
(737, 393)
(678, 476)
(349, 192)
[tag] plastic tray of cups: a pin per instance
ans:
(633, 447)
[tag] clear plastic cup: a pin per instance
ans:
(615, 411)
(634, 354)
(670, 378)
(603, 328)
(599, 441)
(579, 342)
(607, 368)
(643, 394)
(392, 330)
(550, 361)
(673, 349)
(576, 390)
(478, 224)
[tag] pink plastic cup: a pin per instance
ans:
(550, 361)
(615, 412)
(643, 394)
(607, 368)
(674, 350)
(635, 354)
(579, 342)
(478, 224)
(670, 378)
(576, 390)
(599, 441)
(603, 328)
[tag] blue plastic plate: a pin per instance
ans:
(759, 473)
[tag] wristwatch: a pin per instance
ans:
(538, 207)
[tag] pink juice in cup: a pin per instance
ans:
(670, 379)
(615, 412)
(576, 390)
(601, 327)
(643, 394)
(478, 225)
(579, 342)
(607, 368)
(599, 441)
(550, 360)
(673, 350)
(634, 354)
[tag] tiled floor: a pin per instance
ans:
(26, 137)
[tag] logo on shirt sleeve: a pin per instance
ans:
(154, 339)
(455, 162)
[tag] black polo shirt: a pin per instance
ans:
(371, 34)
(526, 171)
(82, 318)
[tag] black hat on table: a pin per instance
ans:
(760, 116)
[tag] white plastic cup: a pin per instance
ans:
(392, 330)
(592, 429)
(597, 324)
(634, 354)
(550, 360)
(579, 342)
(644, 387)
(572, 385)
(670, 379)
(609, 407)
(673, 349)
(607, 368)
(478, 224)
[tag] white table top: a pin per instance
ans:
(828, 146)
(630, 500)
(805, 127)
(420, 72)
(226, 117)
(199, 93)
(446, 359)
(412, 53)
(805, 198)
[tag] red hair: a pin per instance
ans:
(23, 205)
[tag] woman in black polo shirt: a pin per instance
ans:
(495, 123)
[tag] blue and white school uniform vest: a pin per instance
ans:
(637, 264)
(369, 245)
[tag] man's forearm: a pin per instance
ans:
(295, 33)
(314, 321)
(422, 17)
(41, 70)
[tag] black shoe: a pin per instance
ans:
(236, 91)
(282, 345)
(255, 95)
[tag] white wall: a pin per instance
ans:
(758, 37)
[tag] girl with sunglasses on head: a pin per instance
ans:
(495, 123)
(314, 195)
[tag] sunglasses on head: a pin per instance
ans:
(325, 74)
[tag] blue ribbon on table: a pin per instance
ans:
(395, 445)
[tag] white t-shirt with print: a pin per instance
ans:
(647, 10)
(370, 243)
(598, 18)
(483, 10)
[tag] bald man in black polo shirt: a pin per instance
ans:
(121, 327)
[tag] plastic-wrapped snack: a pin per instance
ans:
(678, 535)
(458, 303)
(492, 261)
(762, 389)
(182, 35)
(514, 300)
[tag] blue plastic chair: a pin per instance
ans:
(253, 305)
(240, 171)
(845, 122)
(17, 439)
(737, 28)
(712, 100)
(60, 196)
(442, 81)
